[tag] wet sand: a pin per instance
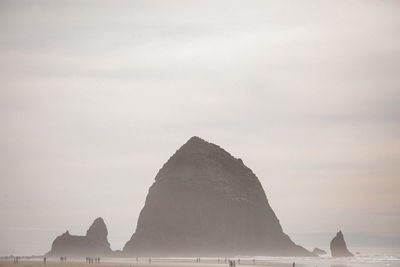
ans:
(55, 263)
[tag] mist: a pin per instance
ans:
(96, 96)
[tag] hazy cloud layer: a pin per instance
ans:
(95, 96)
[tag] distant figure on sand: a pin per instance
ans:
(44, 260)
(294, 264)
(149, 260)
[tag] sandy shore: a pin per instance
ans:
(54, 263)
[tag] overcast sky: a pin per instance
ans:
(95, 96)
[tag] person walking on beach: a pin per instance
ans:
(44, 260)
(294, 264)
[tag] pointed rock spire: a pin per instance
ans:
(338, 246)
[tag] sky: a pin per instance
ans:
(96, 95)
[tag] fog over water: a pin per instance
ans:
(95, 96)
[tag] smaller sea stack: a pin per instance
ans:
(338, 246)
(95, 242)
(318, 251)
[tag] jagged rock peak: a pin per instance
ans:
(98, 229)
(338, 246)
(197, 145)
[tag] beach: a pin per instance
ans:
(76, 263)
(359, 261)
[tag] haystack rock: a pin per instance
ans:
(94, 243)
(206, 202)
(318, 251)
(339, 247)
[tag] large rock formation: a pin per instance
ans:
(339, 247)
(94, 243)
(206, 202)
(318, 251)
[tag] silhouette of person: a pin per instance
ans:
(294, 264)
(44, 260)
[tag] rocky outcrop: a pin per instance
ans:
(206, 202)
(94, 243)
(318, 251)
(339, 247)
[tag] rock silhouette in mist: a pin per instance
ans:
(339, 247)
(94, 243)
(206, 202)
(318, 251)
